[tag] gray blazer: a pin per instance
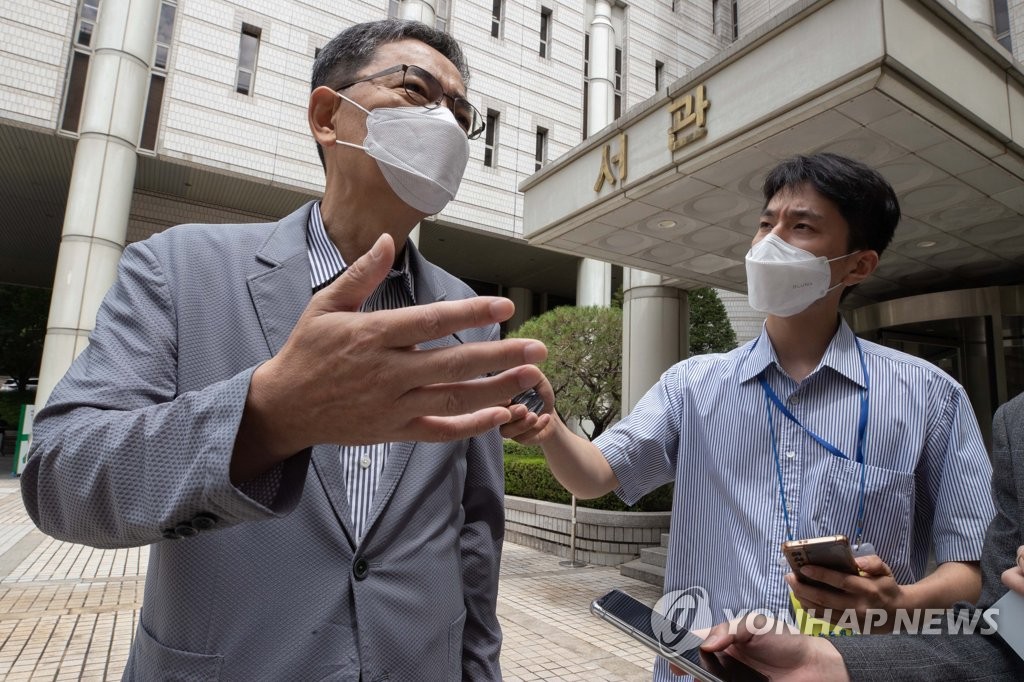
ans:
(962, 657)
(268, 582)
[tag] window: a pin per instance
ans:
(1002, 20)
(659, 75)
(715, 9)
(491, 139)
(248, 49)
(586, 81)
(618, 83)
(545, 32)
(74, 91)
(496, 18)
(735, 19)
(540, 156)
(161, 59)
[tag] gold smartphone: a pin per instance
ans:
(831, 552)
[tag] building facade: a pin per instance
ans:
(120, 118)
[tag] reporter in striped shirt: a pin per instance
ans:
(805, 431)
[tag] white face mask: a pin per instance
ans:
(421, 152)
(783, 279)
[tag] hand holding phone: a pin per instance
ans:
(641, 622)
(832, 552)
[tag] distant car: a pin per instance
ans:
(9, 385)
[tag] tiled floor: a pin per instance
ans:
(69, 612)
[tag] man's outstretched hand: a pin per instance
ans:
(354, 378)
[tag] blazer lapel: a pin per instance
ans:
(279, 283)
(328, 469)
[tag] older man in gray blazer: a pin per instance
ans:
(312, 458)
(871, 658)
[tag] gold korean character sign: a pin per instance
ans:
(689, 118)
(610, 163)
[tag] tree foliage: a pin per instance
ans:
(584, 363)
(23, 312)
(710, 329)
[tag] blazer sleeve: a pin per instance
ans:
(959, 656)
(483, 532)
(118, 456)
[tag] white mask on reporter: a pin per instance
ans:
(783, 280)
(421, 152)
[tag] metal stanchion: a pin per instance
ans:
(571, 562)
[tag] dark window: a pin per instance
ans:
(161, 59)
(586, 81)
(714, 16)
(75, 92)
(491, 139)
(1002, 17)
(151, 121)
(248, 49)
(735, 19)
(618, 82)
(496, 18)
(545, 32)
(87, 22)
(659, 75)
(540, 156)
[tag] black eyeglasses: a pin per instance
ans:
(426, 91)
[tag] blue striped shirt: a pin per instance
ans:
(362, 464)
(705, 426)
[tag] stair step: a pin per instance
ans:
(648, 573)
(664, 540)
(654, 555)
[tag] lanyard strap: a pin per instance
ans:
(771, 398)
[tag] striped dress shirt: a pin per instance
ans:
(705, 426)
(362, 464)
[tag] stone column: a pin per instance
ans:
(523, 299)
(102, 180)
(418, 10)
(655, 332)
(593, 283)
(980, 13)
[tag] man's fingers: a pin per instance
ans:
(347, 293)
(872, 564)
(443, 429)
(471, 360)
(447, 400)
(406, 327)
(1013, 579)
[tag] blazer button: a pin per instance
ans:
(170, 534)
(185, 530)
(361, 568)
(204, 521)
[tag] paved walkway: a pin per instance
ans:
(69, 612)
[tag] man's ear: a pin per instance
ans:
(323, 102)
(866, 263)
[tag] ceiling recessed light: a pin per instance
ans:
(666, 224)
(926, 244)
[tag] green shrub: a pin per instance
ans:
(527, 475)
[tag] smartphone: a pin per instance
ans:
(534, 403)
(832, 552)
(640, 621)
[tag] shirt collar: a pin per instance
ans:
(841, 355)
(326, 262)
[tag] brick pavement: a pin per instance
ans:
(69, 612)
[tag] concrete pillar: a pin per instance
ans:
(102, 180)
(523, 300)
(593, 284)
(418, 10)
(979, 12)
(655, 332)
